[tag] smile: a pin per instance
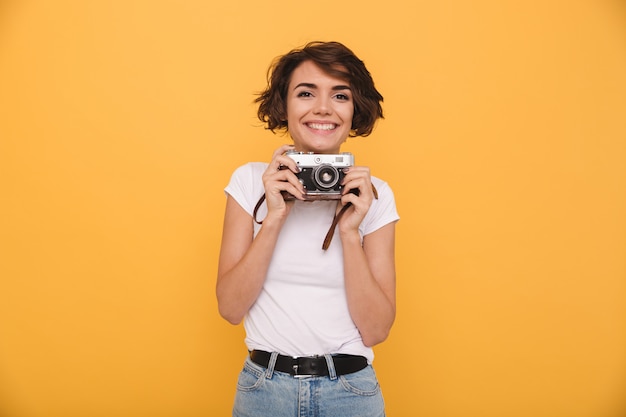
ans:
(322, 126)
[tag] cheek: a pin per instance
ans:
(293, 110)
(348, 115)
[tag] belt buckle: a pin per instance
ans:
(297, 365)
(296, 368)
(296, 374)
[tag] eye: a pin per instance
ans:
(304, 94)
(342, 97)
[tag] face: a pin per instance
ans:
(319, 109)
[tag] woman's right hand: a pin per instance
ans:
(280, 176)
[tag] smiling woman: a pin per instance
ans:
(313, 352)
(337, 62)
(121, 122)
(319, 110)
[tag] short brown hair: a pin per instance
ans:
(336, 60)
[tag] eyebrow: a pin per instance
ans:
(314, 86)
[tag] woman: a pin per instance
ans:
(311, 315)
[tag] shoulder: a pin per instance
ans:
(383, 209)
(382, 187)
(246, 184)
(254, 169)
(248, 175)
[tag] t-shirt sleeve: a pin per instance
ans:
(383, 210)
(246, 185)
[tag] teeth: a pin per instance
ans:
(322, 126)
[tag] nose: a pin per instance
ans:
(323, 106)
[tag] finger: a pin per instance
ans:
(285, 161)
(295, 185)
(284, 180)
(356, 171)
(282, 150)
(282, 161)
(363, 185)
(283, 171)
(278, 192)
(356, 175)
(359, 203)
(274, 164)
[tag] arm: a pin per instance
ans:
(244, 260)
(371, 282)
(369, 268)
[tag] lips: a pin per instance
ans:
(321, 126)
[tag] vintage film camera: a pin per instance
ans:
(321, 174)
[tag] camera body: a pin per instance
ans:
(321, 174)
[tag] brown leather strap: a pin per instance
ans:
(331, 231)
(256, 209)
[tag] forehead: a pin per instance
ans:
(311, 73)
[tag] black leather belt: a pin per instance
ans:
(310, 365)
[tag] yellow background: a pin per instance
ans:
(504, 140)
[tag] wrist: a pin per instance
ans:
(274, 221)
(350, 236)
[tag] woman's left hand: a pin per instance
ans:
(356, 178)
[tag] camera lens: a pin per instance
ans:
(325, 177)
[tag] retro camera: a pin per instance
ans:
(321, 174)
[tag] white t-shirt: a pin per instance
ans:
(302, 309)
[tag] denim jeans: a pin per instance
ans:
(264, 392)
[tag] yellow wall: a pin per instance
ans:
(505, 141)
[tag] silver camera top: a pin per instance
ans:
(310, 159)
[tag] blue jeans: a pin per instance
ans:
(264, 392)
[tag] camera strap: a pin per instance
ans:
(331, 231)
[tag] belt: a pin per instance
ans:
(310, 365)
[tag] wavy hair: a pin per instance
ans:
(336, 60)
